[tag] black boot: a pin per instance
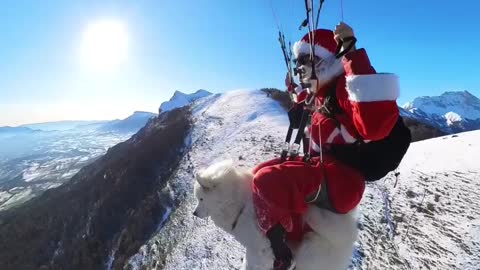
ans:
(283, 255)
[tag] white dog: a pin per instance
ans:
(224, 194)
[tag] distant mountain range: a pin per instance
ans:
(38, 157)
(16, 130)
(61, 125)
(130, 124)
(451, 112)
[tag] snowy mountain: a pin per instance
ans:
(452, 112)
(180, 99)
(132, 208)
(131, 124)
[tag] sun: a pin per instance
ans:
(104, 45)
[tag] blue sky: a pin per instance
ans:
(217, 45)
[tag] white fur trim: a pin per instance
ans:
(346, 135)
(332, 136)
(315, 147)
(332, 69)
(307, 132)
(373, 87)
(301, 47)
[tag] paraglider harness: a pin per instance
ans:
(373, 159)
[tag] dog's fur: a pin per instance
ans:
(224, 194)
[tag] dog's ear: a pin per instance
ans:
(203, 181)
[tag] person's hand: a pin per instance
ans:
(289, 83)
(288, 79)
(342, 31)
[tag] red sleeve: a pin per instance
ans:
(371, 96)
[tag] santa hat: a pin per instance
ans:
(324, 44)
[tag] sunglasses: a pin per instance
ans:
(304, 59)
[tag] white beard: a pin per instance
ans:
(329, 70)
(325, 72)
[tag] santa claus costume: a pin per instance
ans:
(368, 102)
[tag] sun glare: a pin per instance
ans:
(104, 45)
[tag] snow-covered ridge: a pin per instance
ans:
(462, 103)
(451, 112)
(180, 99)
(243, 125)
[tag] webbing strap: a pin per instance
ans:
(301, 128)
(321, 198)
(298, 138)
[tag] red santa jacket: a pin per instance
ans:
(368, 100)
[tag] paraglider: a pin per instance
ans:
(354, 134)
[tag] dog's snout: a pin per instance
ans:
(195, 213)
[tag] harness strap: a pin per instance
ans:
(285, 149)
(321, 198)
(318, 13)
(294, 114)
(301, 130)
(296, 146)
(339, 54)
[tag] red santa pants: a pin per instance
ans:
(280, 190)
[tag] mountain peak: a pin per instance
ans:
(462, 103)
(462, 94)
(202, 91)
(469, 94)
(452, 111)
(142, 113)
(180, 99)
(178, 93)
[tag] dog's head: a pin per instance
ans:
(214, 187)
